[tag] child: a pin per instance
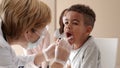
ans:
(78, 25)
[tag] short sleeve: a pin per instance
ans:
(23, 60)
(91, 58)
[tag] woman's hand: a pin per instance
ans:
(62, 51)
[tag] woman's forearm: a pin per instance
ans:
(39, 58)
(56, 65)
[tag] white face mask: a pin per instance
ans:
(38, 42)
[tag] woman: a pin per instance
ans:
(22, 24)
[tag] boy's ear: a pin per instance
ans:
(89, 29)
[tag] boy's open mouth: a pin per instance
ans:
(69, 35)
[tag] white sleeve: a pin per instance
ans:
(8, 59)
(91, 58)
(5, 57)
(23, 60)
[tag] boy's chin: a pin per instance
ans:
(70, 42)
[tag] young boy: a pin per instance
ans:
(79, 23)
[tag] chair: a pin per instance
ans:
(108, 49)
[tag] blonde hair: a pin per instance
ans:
(21, 15)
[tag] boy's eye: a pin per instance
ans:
(75, 22)
(65, 22)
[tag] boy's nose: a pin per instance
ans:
(69, 26)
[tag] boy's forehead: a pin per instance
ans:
(73, 15)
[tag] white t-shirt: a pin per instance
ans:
(87, 56)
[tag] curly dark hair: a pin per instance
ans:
(88, 13)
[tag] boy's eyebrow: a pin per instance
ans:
(72, 20)
(75, 20)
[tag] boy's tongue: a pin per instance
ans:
(69, 37)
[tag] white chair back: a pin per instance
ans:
(108, 49)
